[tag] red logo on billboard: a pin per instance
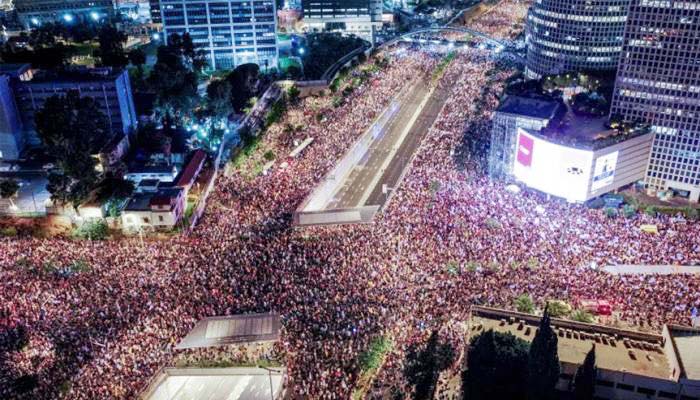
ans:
(525, 145)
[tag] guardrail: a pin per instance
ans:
(333, 70)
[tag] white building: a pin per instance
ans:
(362, 18)
(231, 32)
(159, 210)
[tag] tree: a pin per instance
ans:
(115, 187)
(496, 367)
(153, 140)
(8, 188)
(584, 382)
(294, 72)
(183, 46)
(293, 94)
(219, 98)
(174, 83)
(137, 58)
(111, 50)
(423, 366)
(244, 82)
(72, 128)
(543, 362)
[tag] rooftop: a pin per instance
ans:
(541, 107)
(14, 70)
(566, 127)
(242, 328)
(686, 342)
(216, 384)
(152, 169)
(189, 173)
(613, 346)
(144, 201)
(78, 74)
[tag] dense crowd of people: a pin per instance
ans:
(448, 238)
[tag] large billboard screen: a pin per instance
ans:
(552, 168)
(604, 171)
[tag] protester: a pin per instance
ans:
(449, 238)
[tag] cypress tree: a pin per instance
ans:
(584, 382)
(543, 362)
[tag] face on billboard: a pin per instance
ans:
(604, 171)
(551, 168)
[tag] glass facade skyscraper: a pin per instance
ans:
(232, 32)
(658, 82)
(574, 35)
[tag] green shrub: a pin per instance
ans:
(9, 231)
(610, 212)
(269, 155)
(692, 213)
(79, 265)
(629, 210)
(452, 267)
(472, 266)
(650, 211)
(524, 304)
(558, 308)
(533, 263)
(493, 223)
(92, 230)
(582, 316)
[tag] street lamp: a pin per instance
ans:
(35, 21)
(68, 17)
(269, 374)
(95, 16)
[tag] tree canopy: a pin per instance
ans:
(423, 366)
(173, 78)
(219, 103)
(8, 188)
(324, 49)
(111, 51)
(543, 362)
(72, 128)
(584, 381)
(496, 367)
(244, 82)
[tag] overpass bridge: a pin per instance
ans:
(488, 39)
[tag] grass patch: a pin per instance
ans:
(228, 364)
(442, 66)
(370, 361)
(189, 210)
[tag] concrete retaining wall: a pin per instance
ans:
(337, 216)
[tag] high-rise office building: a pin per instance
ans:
(32, 13)
(154, 5)
(358, 17)
(658, 82)
(574, 35)
(231, 32)
(110, 88)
